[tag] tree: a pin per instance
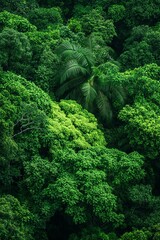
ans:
(15, 220)
(19, 7)
(15, 22)
(33, 132)
(141, 47)
(95, 22)
(138, 13)
(45, 17)
(141, 117)
(15, 51)
(137, 234)
(46, 70)
(87, 84)
(89, 187)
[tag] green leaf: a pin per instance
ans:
(89, 93)
(72, 69)
(104, 107)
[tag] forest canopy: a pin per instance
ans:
(79, 120)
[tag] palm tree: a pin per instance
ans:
(79, 79)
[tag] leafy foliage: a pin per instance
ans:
(15, 220)
(16, 22)
(15, 51)
(45, 17)
(63, 173)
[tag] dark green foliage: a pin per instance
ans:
(95, 22)
(93, 233)
(141, 47)
(63, 174)
(15, 51)
(18, 6)
(140, 12)
(47, 70)
(96, 88)
(138, 234)
(15, 220)
(46, 17)
(145, 209)
(116, 12)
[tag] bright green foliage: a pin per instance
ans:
(41, 39)
(66, 112)
(16, 22)
(34, 129)
(82, 130)
(15, 220)
(143, 81)
(151, 71)
(142, 118)
(143, 122)
(83, 183)
(46, 17)
(74, 25)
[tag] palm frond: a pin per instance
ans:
(75, 94)
(64, 47)
(104, 107)
(72, 69)
(118, 95)
(89, 93)
(69, 50)
(87, 53)
(68, 87)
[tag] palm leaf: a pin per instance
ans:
(64, 47)
(118, 95)
(89, 93)
(72, 69)
(75, 94)
(88, 55)
(69, 51)
(104, 107)
(68, 87)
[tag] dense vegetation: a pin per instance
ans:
(79, 120)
